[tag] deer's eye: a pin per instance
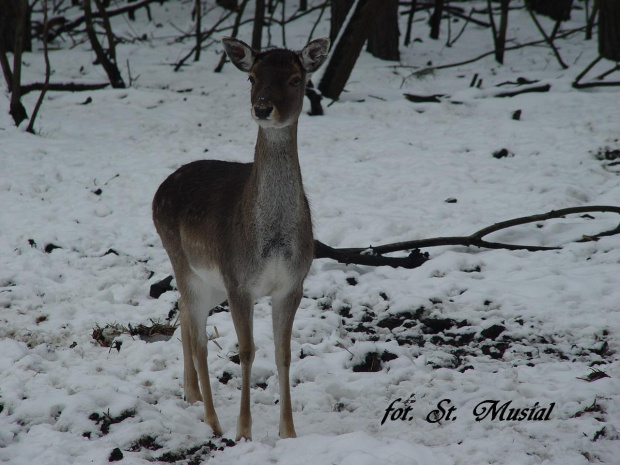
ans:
(295, 81)
(252, 80)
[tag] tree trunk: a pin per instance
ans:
(383, 39)
(414, 4)
(346, 51)
(10, 11)
(609, 29)
(340, 10)
(259, 20)
(499, 35)
(558, 10)
(435, 20)
(198, 10)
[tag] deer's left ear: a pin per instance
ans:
(314, 54)
(240, 53)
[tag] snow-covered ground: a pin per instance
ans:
(377, 169)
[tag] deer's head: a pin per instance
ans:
(278, 78)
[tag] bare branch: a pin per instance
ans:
(373, 255)
(68, 26)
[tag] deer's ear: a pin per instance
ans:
(314, 54)
(240, 53)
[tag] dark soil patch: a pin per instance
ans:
(197, 454)
(492, 332)
(106, 420)
(145, 442)
(160, 287)
(373, 362)
(226, 376)
(115, 455)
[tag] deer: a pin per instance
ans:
(241, 231)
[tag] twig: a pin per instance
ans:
(296, 16)
(373, 255)
(48, 72)
(206, 35)
(548, 39)
(450, 43)
(68, 26)
(544, 88)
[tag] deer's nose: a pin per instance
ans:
(262, 108)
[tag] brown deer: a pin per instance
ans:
(243, 230)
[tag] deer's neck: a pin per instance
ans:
(278, 198)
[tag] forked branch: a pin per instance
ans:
(373, 256)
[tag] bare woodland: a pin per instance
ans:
(372, 25)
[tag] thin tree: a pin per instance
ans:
(37, 107)
(198, 10)
(259, 20)
(499, 35)
(109, 66)
(16, 109)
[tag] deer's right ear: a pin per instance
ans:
(240, 53)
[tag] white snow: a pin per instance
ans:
(377, 169)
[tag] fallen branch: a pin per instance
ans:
(373, 256)
(598, 82)
(436, 98)
(63, 87)
(544, 88)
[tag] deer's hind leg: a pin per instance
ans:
(191, 388)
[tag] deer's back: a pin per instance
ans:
(200, 199)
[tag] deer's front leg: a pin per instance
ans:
(284, 308)
(242, 311)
